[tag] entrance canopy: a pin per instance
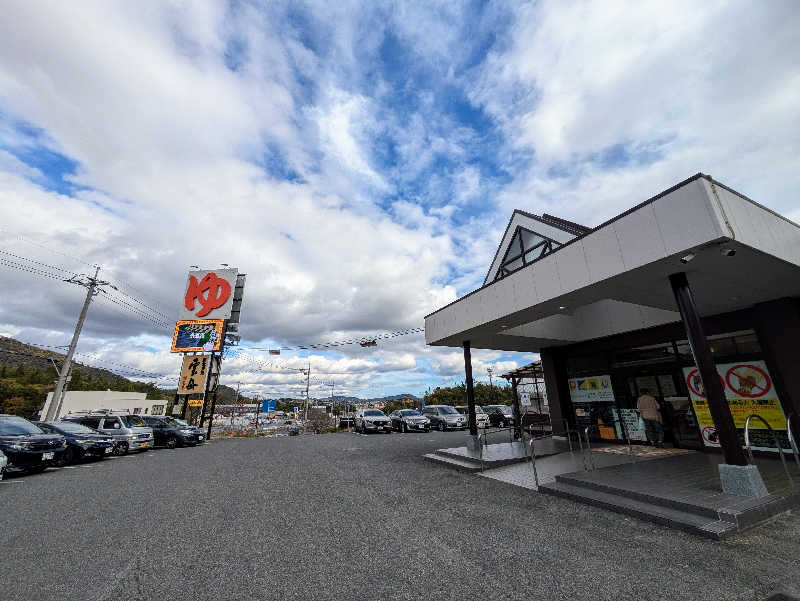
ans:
(615, 278)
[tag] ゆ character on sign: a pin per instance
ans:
(211, 292)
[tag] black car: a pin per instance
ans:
(28, 448)
(82, 442)
(169, 433)
(500, 416)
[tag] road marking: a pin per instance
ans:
(11, 481)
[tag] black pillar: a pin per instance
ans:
(517, 412)
(715, 394)
(473, 424)
(554, 370)
(778, 327)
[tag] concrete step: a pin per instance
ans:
(674, 518)
(459, 463)
(671, 503)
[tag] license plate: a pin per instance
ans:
(47, 456)
(142, 444)
(199, 438)
(108, 450)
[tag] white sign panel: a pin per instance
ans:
(208, 294)
(525, 399)
(591, 389)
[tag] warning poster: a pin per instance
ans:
(749, 390)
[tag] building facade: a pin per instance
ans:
(695, 288)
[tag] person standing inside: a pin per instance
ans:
(649, 411)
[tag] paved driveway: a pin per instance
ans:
(345, 516)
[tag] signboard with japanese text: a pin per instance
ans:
(749, 390)
(209, 294)
(194, 374)
(591, 389)
(268, 406)
(195, 403)
(203, 335)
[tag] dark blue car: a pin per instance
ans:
(82, 442)
(27, 447)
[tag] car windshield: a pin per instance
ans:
(479, 409)
(462, 410)
(179, 422)
(374, 412)
(73, 428)
(15, 426)
(410, 413)
(505, 409)
(174, 422)
(133, 421)
(447, 410)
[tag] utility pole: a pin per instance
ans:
(489, 370)
(308, 377)
(91, 285)
(258, 410)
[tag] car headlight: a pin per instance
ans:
(131, 436)
(83, 441)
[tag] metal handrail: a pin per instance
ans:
(589, 451)
(792, 442)
(774, 437)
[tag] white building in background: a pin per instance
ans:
(79, 401)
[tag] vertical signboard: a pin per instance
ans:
(194, 373)
(749, 390)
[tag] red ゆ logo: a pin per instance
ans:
(211, 292)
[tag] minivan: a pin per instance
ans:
(130, 431)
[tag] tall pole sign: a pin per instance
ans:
(208, 318)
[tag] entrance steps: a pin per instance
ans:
(494, 455)
(716, 516)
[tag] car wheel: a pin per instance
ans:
(67, 457)
(441, 427)
(404, 428)
(120, 449)
(172, 442)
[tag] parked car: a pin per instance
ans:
(407, 420)
(82, 442)
(169, 433)
(372, 420)
(26, 446)
(3, 464)
(481, 416)
(500, 416)
(294, 431)
(184, 424)
(130, 432)
(444, 417)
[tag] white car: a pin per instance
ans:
(481, 417)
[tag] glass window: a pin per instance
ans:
(74, 428)
(15, 426)
(134, 421)
(373, 412)
(747, 344)
(529, 239)
(409, 413)
(111, 423)
(447, 410)
(513, 265)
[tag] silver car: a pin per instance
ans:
(130, 432)
(372, 420)
(407, 420)
(444, 417)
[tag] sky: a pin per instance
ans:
(358, 160)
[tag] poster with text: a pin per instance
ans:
(749, 390)
(591, 389)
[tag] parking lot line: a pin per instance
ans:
(11, 481)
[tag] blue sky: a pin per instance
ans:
(359, 160)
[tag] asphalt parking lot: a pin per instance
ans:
(347, 516)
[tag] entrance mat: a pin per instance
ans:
(642, 451)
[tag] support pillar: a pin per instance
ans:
(517, 411)
(473, 424)
(555, 382)
(778, 328)
(701, 351)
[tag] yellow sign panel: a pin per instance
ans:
(769, 409)
(195, 402)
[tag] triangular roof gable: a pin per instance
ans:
(546, 233)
